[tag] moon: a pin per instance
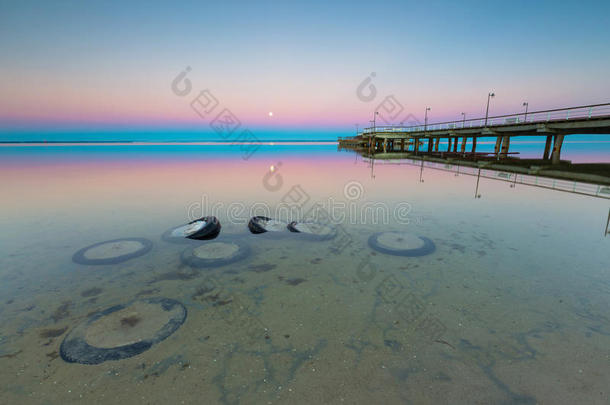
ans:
(271, 113)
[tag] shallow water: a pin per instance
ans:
(511, 307)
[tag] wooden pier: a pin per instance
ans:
(425, 140)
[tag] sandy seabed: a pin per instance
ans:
(481, 320)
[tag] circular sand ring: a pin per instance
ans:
(112, 251)
(122, 331)
(313, 230)
(401, 244)
(214, 254)
(262, 224)
(204, 228)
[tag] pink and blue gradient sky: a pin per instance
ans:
(88, 66)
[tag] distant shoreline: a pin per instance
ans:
(265, 142)
(227, 143)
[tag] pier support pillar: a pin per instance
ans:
(547, 147)
(385, 145)
(474, 144)
(436, 142)
(455, 142)
(505, 145)
(430, 144)
(497, 147)
(449, 144)
(557, 149)
(463, 148)
(402, 145)
(416, 145)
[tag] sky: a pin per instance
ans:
(87, 67)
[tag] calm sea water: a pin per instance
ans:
(511, 307)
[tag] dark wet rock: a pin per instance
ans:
(317, 260)
(91, 292)
(52, 333)
(204, 228)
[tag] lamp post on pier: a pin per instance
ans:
(372, 136)
(526, 105)
(416, 145)
(426, 120)
(489, 96)
(463, 119)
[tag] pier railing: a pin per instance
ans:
(560, 114)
